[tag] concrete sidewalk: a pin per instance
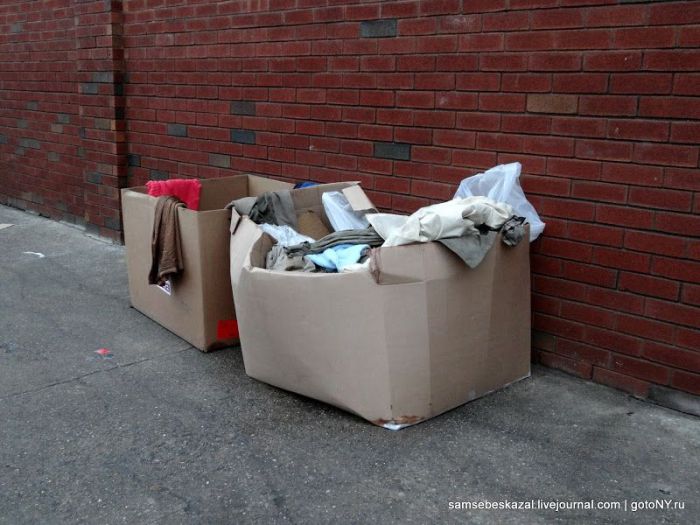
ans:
(161, 433)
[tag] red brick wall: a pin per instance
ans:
(62, 149)
(599, 100)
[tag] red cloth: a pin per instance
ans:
(187, 190)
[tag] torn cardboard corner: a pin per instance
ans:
(427, 336)
(198, 304)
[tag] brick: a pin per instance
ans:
(243, 136)
(537, 103)
(652, 242)
(603, 150)
(480, 42)
(631, 385)
(567, 249)
(613, 61)
(647, 285)
(587, 273)
(595, 233)
(615, 299)
(624, 216)
(583, 352)
(577, 368)
(554, 61)
(607, 105)
(661, 198)
(392, 150)
(632, 174)
(639, 129)
(641, 369)
(580, 83)
(478, 81)
(685, 132)
(645, 328)
(671, 60)
(641, 83)
(29, 143)
(219, 161)
(644, 37)
(615, 16)
(93, 177)
(579, 126)
(526, 82)
(669, 107)
(89, 88)
(673, 312)
(63, 118)
(666, 154)
(243, 107)
(553, 146)
(378, 28)
(691, 294)
(686, 381)
(133, 160)
(558, 326)
(574, 168)
(621, 259)
(501, 102)
(177, 130)
(587, 314)
(556, 19)
(158, 175)
(103, 77)
(688, 338)
(677, 269)
(677, 223)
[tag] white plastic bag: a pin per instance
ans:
(502, 184)
(340, 213)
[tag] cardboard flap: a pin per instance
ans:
(235, 218)
(357, 198)
(247, 233)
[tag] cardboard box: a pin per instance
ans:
(199, 305)
(419, 335)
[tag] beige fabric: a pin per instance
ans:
(453, 218)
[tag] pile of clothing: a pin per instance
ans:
(466, 226)
(304, 241)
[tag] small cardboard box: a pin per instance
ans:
(198, 304)
(420, 334)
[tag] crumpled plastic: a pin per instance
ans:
(502, 184)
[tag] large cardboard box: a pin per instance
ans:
(420, 334)
(198, 306)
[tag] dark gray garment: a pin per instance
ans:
(243, 205)
(513, 231)
(274, 207)
(364, 236)
(470, 248)
(277, 259)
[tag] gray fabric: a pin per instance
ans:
(513, 231)
(274, 207)
(470, 248)
(364, 236)
(277, 259)
(243, 205)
